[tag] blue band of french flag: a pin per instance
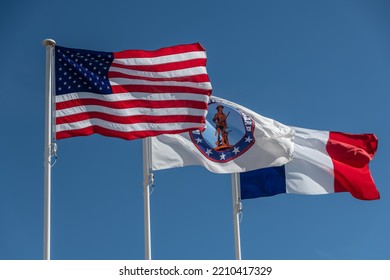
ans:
(324, 162)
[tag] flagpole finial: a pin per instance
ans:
(48, 42)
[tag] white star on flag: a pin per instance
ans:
(209, 152)
(248, 139)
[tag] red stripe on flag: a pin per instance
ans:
(351, 155)
(112, 133)
(201, 78)
(158, 89)
(160, 52)
(130, 119)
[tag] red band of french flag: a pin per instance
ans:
(324, 162)
(351, 155)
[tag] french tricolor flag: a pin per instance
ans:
(324, 162)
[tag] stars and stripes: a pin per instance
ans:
(131, 94)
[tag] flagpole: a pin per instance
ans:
(148, 181)
(237, 208)
(49, 45)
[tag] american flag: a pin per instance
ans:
(131, 94)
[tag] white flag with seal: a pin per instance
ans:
(236, 139)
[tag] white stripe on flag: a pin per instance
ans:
(130, 111)
(161, 59)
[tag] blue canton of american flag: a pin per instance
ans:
(131, 94)
(80, 70)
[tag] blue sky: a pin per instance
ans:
(313, 64)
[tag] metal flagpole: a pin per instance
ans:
(49, 44)
(237, 208)
(148, 181)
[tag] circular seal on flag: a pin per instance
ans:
(229, 133)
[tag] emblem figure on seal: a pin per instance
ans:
(220, 120)
(228, 135)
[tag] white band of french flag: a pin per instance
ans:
(324, 162)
